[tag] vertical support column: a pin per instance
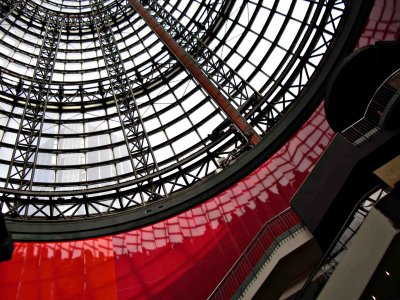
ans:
(195, 70)
(23, 161)
(142, 158)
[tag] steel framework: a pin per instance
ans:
(141, 155)
(190, 41)
(241, 95)
(24, 157)
(98, 117)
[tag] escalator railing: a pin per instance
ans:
(328, 262)
(274, 232)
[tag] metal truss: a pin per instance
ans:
(141, 155)
(130, 92)
(7, 7)
(262, 111)
(148, 72)
(192, 67)
(239, 92)
(199, 30)
(295, 72)
(131, 121)
(23, 161)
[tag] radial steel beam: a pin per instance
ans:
(194, 69)
(23, 161)
(139, 148)
(245, 98)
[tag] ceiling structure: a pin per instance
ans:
(98, 119)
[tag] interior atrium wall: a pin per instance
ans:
(185, 256)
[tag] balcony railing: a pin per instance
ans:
(267, 241)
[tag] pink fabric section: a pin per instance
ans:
(64, 270)
(383, 23)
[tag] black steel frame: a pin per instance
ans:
(154, 189)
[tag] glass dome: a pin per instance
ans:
(99, 118)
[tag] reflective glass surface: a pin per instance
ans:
(97, 116)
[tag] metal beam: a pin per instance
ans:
(7, 7)
(142, 157)
(24, 157)
(193, 68)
